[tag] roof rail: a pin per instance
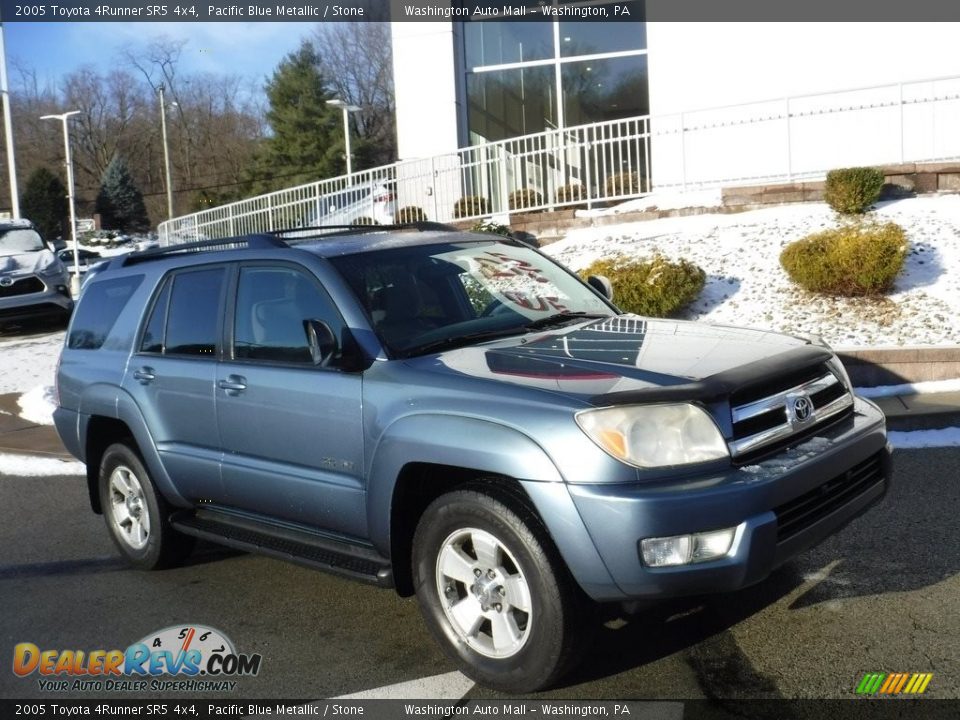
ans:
(338, 230)
(251, 242)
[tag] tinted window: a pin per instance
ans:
(194, 312)
(153, 333)
(98, 310)
(273, 305)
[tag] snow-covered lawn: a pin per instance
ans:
(746, 286)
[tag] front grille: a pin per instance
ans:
(22, 287)
(791, 408)
(800, 513)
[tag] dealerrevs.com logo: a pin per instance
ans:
(200, 658)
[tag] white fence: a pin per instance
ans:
(780, 140)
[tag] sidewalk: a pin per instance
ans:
(904, 412)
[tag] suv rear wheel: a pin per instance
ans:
(494, 592)
(136, 514)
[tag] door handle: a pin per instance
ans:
(144, 375)
(234, 384)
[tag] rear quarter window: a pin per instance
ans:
(98, 310)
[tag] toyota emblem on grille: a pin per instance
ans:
(802, 408)
(6, 282)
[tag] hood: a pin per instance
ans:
(26, 263)
(630, 358)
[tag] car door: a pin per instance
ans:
(171, 377)
(290, 428)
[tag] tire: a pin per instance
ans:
(515, 626)
(137, 516)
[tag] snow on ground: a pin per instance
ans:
(37, 405)
(26, 362)
(946, 437)
(32, 466)
(921, 388)
(746, 286)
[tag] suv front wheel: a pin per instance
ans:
(136, 515)
(494, 592)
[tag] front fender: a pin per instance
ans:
(485, 447)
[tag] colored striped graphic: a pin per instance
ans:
(894, 683)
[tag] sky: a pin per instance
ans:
(249, 49)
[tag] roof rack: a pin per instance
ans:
(339, 230)
(251, 242)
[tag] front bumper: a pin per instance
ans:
(53, 300)
(785, 505)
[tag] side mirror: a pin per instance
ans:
(322, 341)
(602, 285)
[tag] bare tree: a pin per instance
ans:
(357, 59)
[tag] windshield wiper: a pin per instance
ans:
(562, 318)
(460, 340)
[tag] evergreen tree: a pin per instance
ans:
(45, 202)
(120, 202)
(306, 142)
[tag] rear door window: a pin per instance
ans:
(193, 315)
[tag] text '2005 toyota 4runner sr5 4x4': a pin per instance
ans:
(453, 415)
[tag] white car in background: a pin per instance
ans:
(351, 206)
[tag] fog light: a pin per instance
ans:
(686, 549)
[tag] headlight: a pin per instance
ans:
(686, 549)
(54, 268)
(650, 436)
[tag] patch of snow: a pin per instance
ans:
(920, 388)
(945, 437)
(746, 286)
(37, 405)
(665, 200)
(32, 466)
(29, 361)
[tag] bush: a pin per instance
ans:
(851, 191)
(623, 184)
(485, 226)
(471, 205)
(410, 214)
(653, 286)
(571, 193)
(525, 198)
(364, 220)
(856, 259)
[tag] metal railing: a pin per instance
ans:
(788, 139)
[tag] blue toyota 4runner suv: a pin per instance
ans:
(457, 416)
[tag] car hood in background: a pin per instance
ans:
(629, 354)
(25, 263)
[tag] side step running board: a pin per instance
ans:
(286, 543)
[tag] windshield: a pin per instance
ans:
(20, 240)
(432, 296)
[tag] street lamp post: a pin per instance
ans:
(8, 130)
(347, 109)
(166, 153)
(64, 118)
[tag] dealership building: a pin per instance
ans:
(731, 102)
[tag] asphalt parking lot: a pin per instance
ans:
(882, 596)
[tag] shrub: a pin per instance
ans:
(471, 205)
(486, 226)
(855, 259)
(410, 214)
(851, 191)
(623, 184)
(653, 286)
(364, 220)
(571, 193)
(525, 198)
